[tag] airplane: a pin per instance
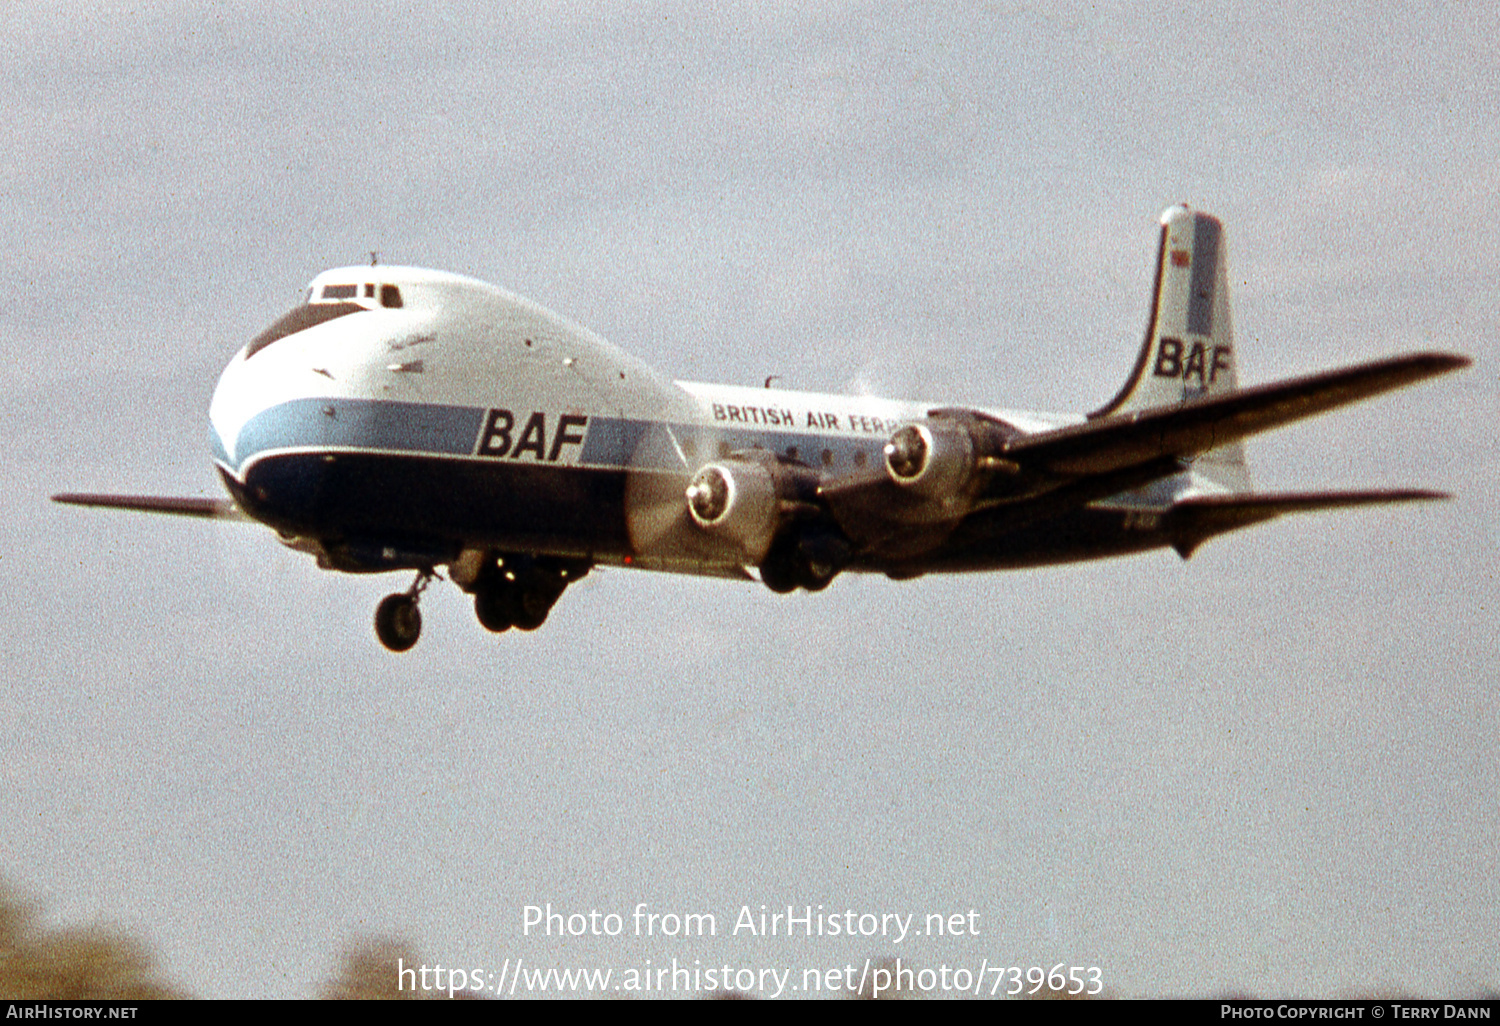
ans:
(402, 419)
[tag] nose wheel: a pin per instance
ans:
(398, 621)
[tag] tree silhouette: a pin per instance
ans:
(78, 963)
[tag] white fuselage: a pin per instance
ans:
(467, 417)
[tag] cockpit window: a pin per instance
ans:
(324, 303)
(300, 319)
(390, 295)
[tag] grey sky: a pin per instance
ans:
(1271, 768)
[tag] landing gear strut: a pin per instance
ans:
(398, 621)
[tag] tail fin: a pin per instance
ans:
(1189, 346)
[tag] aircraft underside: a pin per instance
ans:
(381, 512)
(515, 536)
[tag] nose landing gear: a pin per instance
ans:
(398, 621)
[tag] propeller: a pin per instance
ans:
(662, 469)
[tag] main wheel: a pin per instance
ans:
(779, 574)
(814, 576)
(495, 607)
(398, 622)
(532, 607)
(810, 561)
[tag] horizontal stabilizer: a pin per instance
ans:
(1198, 425)
(1191, 522)
(214, 509)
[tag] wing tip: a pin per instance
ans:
(190, 507)
(1308, 501)
(1436, 362)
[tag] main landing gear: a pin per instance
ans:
(398, 621)
(519, 592)
(509, 591)
(810, 560)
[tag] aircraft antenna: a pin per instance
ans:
(770, 378)
(374, 258)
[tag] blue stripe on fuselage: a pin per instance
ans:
(453, 431)
(360, 424)
(220, 451)
(610, 442)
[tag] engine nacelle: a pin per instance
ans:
(932, 460)
(737, 502)
(941, 465)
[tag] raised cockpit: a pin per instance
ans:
(332, 294)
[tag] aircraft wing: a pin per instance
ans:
(1022, 479)
(1114, 443)
(214, 509)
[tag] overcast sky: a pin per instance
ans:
(1271, 769)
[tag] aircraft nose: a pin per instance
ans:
(250, 385)
(227, 412)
